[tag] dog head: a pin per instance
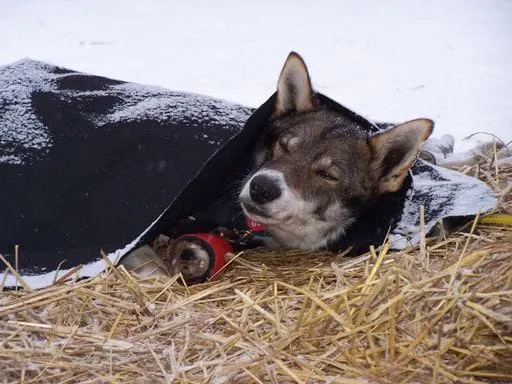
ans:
(318, 168)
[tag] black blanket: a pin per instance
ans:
(90, 163)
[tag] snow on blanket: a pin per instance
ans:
(23, 137)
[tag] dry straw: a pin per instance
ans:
(437, 313)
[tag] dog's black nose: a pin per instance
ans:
(264, 190)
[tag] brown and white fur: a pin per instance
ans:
(316, 169)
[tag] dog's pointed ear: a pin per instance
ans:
(294, 90)
(395, 151)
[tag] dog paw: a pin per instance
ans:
(189, 258)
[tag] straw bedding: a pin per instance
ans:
(437, 313)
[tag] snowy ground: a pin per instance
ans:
(389, 60)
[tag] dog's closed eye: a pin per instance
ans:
(327, 175)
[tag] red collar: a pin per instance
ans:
(255, 226)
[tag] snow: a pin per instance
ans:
(158, 103)
(20, 128)
(23, 137)
(391, 60)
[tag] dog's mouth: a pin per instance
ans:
(254, 212)
(262, 216)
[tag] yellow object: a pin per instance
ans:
(496, 219)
